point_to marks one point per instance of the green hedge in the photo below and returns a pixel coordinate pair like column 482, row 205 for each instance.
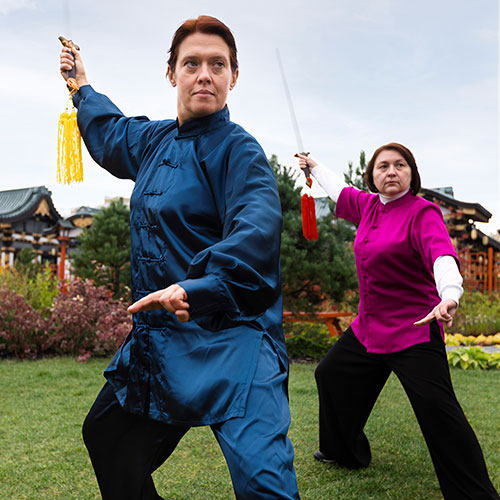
column 311, row 342
column 307, row 341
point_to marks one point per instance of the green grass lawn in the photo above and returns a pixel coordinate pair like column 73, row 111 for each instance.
column 42, row 456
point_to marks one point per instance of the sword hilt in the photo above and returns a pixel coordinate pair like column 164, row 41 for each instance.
column 307, row 170
column 72, row 46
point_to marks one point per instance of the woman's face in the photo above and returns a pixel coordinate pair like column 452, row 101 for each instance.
column 391, row 173
column 202, row 75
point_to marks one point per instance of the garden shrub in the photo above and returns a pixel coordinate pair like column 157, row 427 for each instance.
column 494, row 361
column 468, row 357
column 457, row 339
column 478, row 313
column 473, row 358
column 23, row 331
column 112, row 329
column 86, row 320
column 36, row 283
column 307, row 340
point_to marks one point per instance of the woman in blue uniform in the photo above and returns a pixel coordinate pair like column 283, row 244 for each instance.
column 207, row 345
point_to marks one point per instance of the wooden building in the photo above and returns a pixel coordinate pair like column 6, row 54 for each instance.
column 25, row 214
column 66, row 231
column 28, row 218
column 479, row 253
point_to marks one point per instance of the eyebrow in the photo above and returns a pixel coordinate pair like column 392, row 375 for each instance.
column 210, row 57
column 385, row 162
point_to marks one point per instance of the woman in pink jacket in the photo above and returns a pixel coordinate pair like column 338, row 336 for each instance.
column 409, row 285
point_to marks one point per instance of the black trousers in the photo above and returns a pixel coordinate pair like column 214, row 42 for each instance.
column 349, row 381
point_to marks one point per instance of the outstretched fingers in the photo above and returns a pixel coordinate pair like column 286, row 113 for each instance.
column 426, row 320
column 147, row 303
column 443, row 312
column 174, row 299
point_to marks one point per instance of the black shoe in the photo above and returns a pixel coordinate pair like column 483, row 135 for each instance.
column 323, row 458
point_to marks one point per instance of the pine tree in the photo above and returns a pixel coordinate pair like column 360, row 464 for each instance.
column 312, row 271
column 355, row 177
column 104, row 250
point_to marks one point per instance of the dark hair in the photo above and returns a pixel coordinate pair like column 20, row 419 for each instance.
column 203, row 24
column 406, row 154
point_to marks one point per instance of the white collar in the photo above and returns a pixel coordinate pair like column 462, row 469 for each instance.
column 388, row 199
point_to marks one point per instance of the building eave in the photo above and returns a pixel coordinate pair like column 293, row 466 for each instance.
column 474, row 211
column 20, row 204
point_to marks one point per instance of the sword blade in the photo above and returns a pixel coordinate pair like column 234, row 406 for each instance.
column 295, row 125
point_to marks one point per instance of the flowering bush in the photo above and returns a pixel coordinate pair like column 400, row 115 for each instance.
column 112, row 329
column 86, row 320
column 478, row 313
column 23, row 332
column 36, row 321
column 459, row 339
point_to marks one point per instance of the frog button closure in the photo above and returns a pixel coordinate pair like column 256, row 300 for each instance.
column 168, row 162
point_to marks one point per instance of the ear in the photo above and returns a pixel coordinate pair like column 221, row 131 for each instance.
column 171, row 77
column 234, row 78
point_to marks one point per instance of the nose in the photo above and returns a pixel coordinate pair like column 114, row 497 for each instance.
column 204, row 74
column 392, row 170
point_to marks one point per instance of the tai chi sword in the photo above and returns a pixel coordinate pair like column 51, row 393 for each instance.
column 295, row 125
column 309, row 227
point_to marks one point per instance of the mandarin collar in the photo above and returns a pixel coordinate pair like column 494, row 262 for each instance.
column 396, row 203
column 198, row 126
column 390, row 199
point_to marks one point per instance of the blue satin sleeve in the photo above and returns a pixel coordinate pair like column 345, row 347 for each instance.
column 115, row 142
column 237, row 279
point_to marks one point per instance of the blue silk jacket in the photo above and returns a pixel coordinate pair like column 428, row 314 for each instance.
column 205, row 214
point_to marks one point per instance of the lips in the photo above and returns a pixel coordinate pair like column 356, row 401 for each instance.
column 204, row 93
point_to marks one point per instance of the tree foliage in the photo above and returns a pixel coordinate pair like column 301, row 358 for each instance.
column 26, row 262
column 355, row 176
column 104, row 250
column 312, row 271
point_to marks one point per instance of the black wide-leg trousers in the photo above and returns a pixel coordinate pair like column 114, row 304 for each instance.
column 349, row 380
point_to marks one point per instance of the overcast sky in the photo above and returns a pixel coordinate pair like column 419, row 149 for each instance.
column 361, row 73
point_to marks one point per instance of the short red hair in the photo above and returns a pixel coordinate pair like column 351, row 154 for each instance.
column 203, row 24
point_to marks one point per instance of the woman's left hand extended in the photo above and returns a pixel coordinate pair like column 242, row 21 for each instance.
column 443, row 312
column 173, row 299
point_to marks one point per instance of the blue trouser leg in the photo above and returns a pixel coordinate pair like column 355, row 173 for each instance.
column 125, row 449
column 256, row 447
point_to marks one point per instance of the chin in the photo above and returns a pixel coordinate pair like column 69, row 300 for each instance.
column 393, row 192
column 205, row 110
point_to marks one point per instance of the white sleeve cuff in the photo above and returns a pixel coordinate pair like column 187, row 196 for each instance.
column 448, row 278
column 453, row 293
